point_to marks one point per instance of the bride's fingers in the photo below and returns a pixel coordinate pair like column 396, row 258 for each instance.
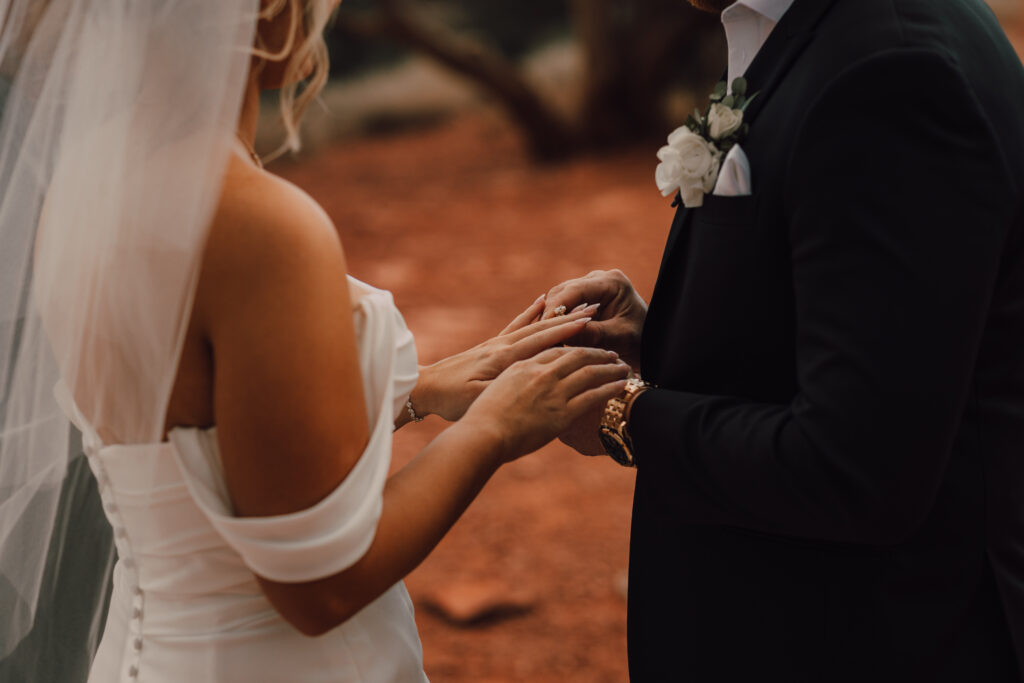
column 592, row 376
column 551, row 355
column 583, row 403
column 531, row 314
column 542, row 325
column 537, row 342
column 579, row 357
column 550, row 313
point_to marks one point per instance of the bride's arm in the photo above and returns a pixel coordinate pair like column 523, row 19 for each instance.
column 287, row 387
column 289, row 403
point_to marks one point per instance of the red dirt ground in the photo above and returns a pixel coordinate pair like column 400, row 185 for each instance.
column 465, row 233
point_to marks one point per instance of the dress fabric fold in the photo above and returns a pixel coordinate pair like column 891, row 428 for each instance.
column 186, row 604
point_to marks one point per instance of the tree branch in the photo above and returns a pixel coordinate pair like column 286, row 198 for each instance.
column 549, row 136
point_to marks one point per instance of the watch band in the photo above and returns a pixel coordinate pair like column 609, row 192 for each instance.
column 634, row 388
column 614, row 430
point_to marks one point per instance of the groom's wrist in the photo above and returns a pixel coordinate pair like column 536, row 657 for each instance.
column 632, row 393
column 631, row 401
column 614, row 428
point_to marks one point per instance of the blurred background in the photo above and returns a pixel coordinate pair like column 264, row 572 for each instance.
column 472, row 155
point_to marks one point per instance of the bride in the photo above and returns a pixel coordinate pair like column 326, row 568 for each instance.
column 236, row 390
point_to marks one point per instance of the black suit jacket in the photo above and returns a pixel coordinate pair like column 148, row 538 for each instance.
column 831, row 474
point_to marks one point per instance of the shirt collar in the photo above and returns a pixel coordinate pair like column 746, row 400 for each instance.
column 770, row 9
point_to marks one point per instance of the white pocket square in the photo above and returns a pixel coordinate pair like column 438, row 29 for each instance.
column 734, row 178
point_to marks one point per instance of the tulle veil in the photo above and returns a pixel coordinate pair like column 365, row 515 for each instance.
column 118, row 118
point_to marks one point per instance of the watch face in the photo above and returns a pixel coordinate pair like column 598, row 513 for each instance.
column 615, row 447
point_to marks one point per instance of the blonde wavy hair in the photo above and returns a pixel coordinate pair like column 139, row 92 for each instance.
column 300, row 88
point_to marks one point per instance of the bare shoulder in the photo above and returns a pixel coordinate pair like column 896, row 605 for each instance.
column 263, row 217
column 266, row 235
column 274, row 311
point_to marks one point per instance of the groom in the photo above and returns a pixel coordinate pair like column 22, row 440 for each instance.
column 830, row 461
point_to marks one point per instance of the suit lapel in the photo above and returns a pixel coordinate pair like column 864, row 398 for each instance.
column 772, row 63
column 679, row 224
column 784, row 45
column 670, row 263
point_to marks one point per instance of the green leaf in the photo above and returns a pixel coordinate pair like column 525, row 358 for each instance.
column 740, row 101
column 729, row 101
column 692, row 124
column 721, row 90
column 749, row 100
column 739, row 86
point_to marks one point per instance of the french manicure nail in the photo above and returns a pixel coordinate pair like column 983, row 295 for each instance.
column 578, row 308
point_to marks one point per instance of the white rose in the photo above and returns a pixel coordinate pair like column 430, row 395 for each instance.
column 724, row 121
column 689, row 164
column 669, row 173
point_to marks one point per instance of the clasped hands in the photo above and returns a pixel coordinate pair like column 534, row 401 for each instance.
column 606, row 313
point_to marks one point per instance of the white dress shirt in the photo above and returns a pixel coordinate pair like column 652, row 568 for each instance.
column 748, row 23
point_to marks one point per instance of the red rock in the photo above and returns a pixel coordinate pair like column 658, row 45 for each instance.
column 474, row 603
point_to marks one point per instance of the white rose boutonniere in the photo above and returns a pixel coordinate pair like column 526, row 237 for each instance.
column 689, row 165
column 692, row 159
column 723, row 121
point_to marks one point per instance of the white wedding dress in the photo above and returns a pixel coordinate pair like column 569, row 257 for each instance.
column 186, row 607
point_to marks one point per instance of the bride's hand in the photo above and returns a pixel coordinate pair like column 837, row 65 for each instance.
column 447, row 388
column 535, row 400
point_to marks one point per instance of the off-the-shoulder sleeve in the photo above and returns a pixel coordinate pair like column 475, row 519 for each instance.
column 335, row 533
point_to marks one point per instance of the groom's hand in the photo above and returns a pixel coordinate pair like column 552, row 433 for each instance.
column 618, row 322
column 582, row 435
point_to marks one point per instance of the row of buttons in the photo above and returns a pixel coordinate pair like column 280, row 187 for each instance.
column 124, row 552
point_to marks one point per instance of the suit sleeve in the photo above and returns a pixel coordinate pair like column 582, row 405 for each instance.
column 899, row 203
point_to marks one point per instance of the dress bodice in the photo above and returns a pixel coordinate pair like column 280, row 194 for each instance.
column 186, row 604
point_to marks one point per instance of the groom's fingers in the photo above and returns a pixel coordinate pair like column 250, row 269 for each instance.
column 571, row 299
column 599, row 286
column 568, row 294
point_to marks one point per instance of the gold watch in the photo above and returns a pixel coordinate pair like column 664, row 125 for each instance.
column 614, row 432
